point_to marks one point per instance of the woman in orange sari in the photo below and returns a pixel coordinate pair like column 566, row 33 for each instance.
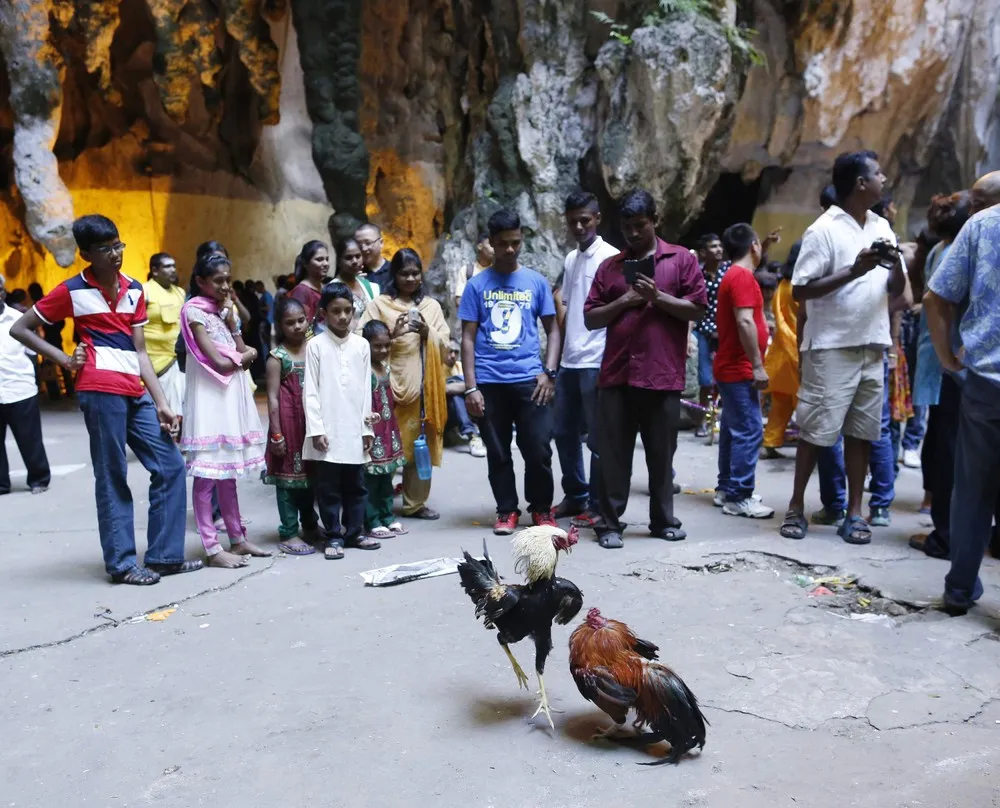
column 782, row 361
column 420, row 338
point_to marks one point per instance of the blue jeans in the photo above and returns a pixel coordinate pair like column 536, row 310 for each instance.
column 576, row 415
column 833, row 478
column 114, row 421
column 882, row 462
column 914, row 433
column 705, row 377
column 458, row 414
column 741, row 434
column 977, row 484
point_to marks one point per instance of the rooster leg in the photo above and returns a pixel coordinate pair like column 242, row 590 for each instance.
column 543, row 704
column 607, row 732
column 522, row 677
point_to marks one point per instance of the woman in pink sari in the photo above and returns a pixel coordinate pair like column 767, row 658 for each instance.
column 221, row 438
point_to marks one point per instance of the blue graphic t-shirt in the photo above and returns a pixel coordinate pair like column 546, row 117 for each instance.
column 507, row 308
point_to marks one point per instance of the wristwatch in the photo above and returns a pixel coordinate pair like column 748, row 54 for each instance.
column 552, row 373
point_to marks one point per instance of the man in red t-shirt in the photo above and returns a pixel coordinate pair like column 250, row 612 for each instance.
column 122, row 403
column 740, row 375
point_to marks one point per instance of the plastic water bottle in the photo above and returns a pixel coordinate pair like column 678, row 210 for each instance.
column 422, row 457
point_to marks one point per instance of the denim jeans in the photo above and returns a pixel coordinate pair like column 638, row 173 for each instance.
column 507, row 406
column 977, row 484
column 575, row 415
column 741, row 434
column 114, row 421
column 882, row 462
column 833, row 478
column 458, row 415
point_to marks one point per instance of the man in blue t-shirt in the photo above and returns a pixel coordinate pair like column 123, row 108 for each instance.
column 506, row 384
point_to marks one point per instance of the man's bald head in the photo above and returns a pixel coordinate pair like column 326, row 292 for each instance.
column 986, row 192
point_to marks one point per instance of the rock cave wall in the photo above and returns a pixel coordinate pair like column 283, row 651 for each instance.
column 264, row 123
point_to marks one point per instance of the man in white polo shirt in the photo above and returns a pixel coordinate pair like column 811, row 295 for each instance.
column 845, row 273
column 19, row 404
column 576, row 385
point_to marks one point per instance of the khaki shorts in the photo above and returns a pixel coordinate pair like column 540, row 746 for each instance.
column 842, row 389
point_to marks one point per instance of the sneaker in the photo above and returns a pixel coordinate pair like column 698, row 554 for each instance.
column 719, row 499
column 911, row 458
column 751, row 507
column 506, row 524
column 476, row 446
column 546, row 519
column 879, row 517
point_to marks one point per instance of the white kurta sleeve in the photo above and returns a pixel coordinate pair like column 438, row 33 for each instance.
column 311, row 399
column 366, row 407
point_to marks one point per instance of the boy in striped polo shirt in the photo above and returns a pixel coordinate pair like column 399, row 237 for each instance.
column 109, row 310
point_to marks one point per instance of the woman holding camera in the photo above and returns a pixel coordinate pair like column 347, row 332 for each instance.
column 420, row 338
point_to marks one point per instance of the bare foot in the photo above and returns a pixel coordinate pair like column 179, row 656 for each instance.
column 227, row 561
column 248, row 548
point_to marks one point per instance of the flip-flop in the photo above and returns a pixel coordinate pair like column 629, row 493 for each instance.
column 334, row 551
column 179, row 568
column 398, row 529
column 296, row 549
column 363, row 543
column 794, row 525
column 380, row 533
column 669, row 534
column 855, row 530
column 610, row 541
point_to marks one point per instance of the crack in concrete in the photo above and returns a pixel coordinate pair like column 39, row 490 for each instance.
column 750, row 714
column 113, row 623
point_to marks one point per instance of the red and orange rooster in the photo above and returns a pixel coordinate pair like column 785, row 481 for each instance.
column 615, row 669
column 517, row 611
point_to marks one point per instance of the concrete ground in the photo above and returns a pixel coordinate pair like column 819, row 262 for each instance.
column 291, row 684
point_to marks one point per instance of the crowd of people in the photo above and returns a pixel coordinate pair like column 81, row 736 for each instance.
column 847, row 346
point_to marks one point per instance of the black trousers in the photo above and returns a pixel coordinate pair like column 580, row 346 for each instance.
column 341, row 498
column 507, row 406
column 622, row 413
column 25, row 422
column 937, row 459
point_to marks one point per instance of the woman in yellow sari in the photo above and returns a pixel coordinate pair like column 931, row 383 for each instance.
column 420, row 338
column 782, row 362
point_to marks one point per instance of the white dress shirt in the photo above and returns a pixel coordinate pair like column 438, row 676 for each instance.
column 338, row 397
column 857, row 314
column 582, row 348
column 17, row 368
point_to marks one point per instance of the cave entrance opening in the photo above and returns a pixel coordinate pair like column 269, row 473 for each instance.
column 730, row 201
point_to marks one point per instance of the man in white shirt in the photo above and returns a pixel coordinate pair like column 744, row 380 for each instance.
column 576, row 386
column 466, row 272
column 847, row 269
column 19, row 404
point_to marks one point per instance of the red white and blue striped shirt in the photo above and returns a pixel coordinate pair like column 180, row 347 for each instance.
column 112, row 364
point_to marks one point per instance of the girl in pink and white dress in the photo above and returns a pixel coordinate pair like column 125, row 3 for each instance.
column 222, row 438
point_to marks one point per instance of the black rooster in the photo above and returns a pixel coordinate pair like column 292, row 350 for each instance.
column 517, row 611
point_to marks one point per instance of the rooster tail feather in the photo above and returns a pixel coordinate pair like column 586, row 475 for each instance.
column 481, row 583
column 670, row 708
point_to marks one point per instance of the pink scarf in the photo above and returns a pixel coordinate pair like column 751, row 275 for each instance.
column 211, row 307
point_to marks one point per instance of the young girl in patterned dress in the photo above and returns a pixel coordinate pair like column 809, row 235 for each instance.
column 387, row 448
column 287, row 426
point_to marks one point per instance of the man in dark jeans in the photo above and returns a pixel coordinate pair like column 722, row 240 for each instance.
column 642, row 371
column 506, row 384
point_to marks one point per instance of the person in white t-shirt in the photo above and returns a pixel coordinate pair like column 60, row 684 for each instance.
column 19, row 404
column 847, row 280
column 576, row 385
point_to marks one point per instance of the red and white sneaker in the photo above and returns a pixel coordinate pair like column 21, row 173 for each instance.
column 547, row 519
column 506, row 524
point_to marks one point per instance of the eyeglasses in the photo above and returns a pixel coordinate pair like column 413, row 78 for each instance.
column 108, row 249
column 364, row 245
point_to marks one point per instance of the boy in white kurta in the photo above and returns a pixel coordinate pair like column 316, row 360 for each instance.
column 338, row 407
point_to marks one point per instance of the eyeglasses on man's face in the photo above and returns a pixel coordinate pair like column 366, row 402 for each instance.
column 110, row 249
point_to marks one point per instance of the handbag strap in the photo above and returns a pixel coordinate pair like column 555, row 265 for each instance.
column 423, row 415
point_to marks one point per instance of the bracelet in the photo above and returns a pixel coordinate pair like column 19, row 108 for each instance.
column 470, row 391
column 279, row 438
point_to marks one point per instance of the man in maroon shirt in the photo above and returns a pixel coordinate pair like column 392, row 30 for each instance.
column 642, row 372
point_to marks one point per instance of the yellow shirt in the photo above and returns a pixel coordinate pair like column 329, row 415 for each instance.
column 163, row 308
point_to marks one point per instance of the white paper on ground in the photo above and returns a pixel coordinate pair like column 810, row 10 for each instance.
column 412, row 571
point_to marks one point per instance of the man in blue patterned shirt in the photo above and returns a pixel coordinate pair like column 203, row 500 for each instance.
column 968, row 285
